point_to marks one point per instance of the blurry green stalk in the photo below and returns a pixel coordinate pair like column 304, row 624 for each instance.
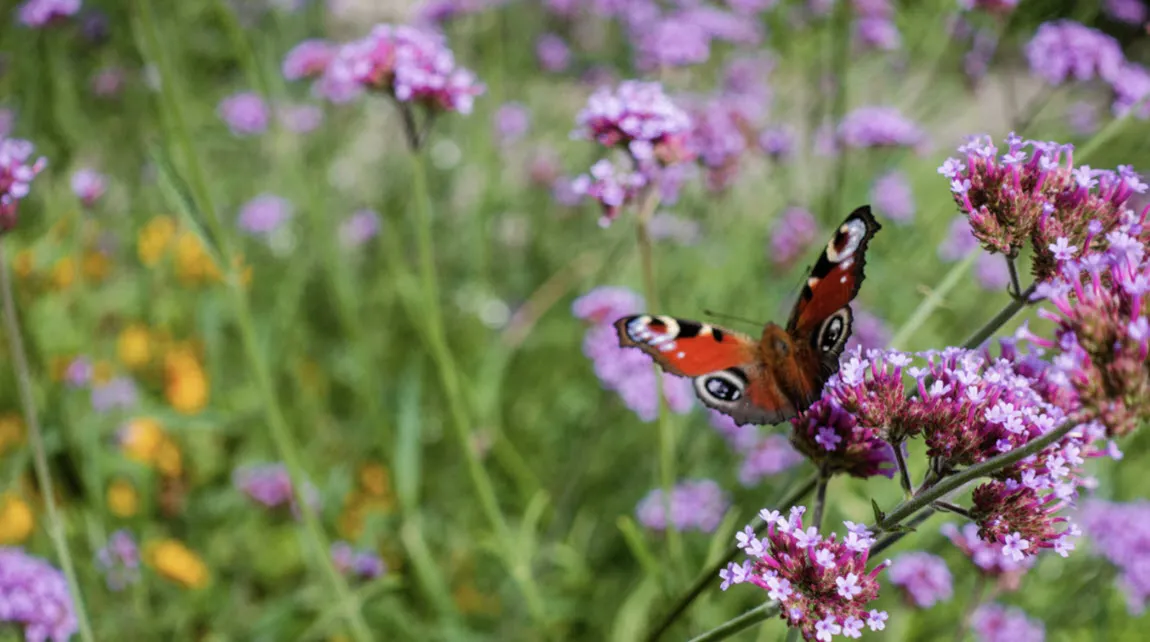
column 204, row 215
column 36, row 439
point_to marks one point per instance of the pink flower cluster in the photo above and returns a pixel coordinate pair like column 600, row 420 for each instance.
column 695, row 505
column 1037, row 197
column 924, row 579
column 407, row 63
column 16, row 174
column 867, row 127
column 270, row 486
column 988, row 557
column 822, row 585
column 763, row 455
column 639, row 117
column 610, row 186
column 628, row 372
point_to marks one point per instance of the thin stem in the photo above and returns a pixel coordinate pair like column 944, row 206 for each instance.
column 820, row 499
column 36, row 439
column 903, row 470
column 745, row 621
column 888, row 540
column 952, row 508
column 707, row 577
column 1006, row 314
column 975, row 601
column 929, row 495
column 931, row 302
column 1015, row 285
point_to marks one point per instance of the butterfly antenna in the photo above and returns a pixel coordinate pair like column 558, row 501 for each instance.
column 731, row 317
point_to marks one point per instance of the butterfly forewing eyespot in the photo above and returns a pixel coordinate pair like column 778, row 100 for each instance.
column 846, row 241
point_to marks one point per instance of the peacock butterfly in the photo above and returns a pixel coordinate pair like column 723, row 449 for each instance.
column 782, row 374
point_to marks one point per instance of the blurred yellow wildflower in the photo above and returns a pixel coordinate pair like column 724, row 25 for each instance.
column 96, row 265
column 193, row 264
column 16, row 519
column 186, row 383
column 11, row 432
column 154, row 239
column 141, row 438
column 471, row 601
column 168, row 459
column 375, row 480
column 123, row 500
column 63, row 273
column 134, row 347
column 102, row 372
column 23, row 263
column 176, row 562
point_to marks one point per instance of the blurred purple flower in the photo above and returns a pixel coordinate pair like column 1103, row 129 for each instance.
column 778, row 142
column 1066, row 50
column 723, row 25
column 412, row 65
column 363, row 564
column 35, row 597
column 299, row 118
column 611, row 187
column 1120, row 533
column 740, row 438
column 695, row 505
column 682, row 231
column 924, row 578
column 791, row 236
column 119, row 560
column 878, row 33
column 564, row 192
column 769, row 455
column 88, row 185
column 991, row 272
column 43, row 13
column 867, row 331
column 16, row 175
column 672, row 42
column 995, row 623
column 108, row 81
column 639, row 117
column 988, row 557
column 959, row 241
column 627, row 371
column 7, row 119
column 79, row 372
column 117, row 393
column 552, row 53
column 543, row 165
column 717, row 140
column 1131, row 89
column 1129, row 11
column 512, row 120
column 879, row 127
column 264, row 214
column 308, row 59
column 990, row 6
column 245, row 113
column 270, row 486
column 359, row 228
column 892, row 195
column 1082, row 117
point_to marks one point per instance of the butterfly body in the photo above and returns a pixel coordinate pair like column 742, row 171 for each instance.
column 772, row 379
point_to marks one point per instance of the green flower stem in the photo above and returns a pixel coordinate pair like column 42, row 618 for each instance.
column 931, row 302
column 707, row 577
column 148, row 31
column 1007, row 313
column 36, row 439
column 820, row 498
column 745, row 621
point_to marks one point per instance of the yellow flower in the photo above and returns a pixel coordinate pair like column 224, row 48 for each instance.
column 16, row 520
column 23, row 264
column 186, row 387
column 193, row 265
column 123, row 500
column 176, row 562
column 154, row 238
column 133, row 346
column 141, row 439
column 471, row 601
column 102, row 372
column 168, row 459
column 96, row 265
column 11, row 431
column 63, row 273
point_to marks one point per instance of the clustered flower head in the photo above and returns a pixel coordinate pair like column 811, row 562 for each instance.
column 1066, row 50
column 612, row 187
column 996, row 623
column 795, row 231
column 720, row 135
column 1034, row 194
column 17, row 169
column 1102, row 333
column 638, row 117
column 867, row 127
column 1120, row 533
column 35, row 596
column 763, row 455
column 409, row 64
column 270, row 486
column 626, row 371
column 988, row 557
column 834, row 439
column 119, row 560
column 245, row 113
column 88, row 185
column 924, row 579
column 362, row 564
column 822, row 585
column 43, row 13
column 695, row 505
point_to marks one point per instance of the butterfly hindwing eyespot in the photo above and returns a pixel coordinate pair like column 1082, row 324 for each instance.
column 834, row 332
column 721, row 388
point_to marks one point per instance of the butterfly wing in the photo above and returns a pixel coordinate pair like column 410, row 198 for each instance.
column 822, row 316
column 728, row 373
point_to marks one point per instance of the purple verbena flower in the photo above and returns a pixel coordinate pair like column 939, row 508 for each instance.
column 877, row 33
column 821, row 584
column 43, row 13
column 769, row 455
column 673, row 41
column 552, row 53
column 79, row 372
column 994, row 623
column 989, row 6
column 88, row 185
column 988, row 557
column 308, row 59
column 16, row 174
column 695, row 505
column 639, row 117
column 270, row 486
column 778, row 142
column 512, row 120
column 879, row 127
column 1131, row 89
column 611, row 187
column 832, row 438
column 893, row 196
column 35, row 597
column 868, row 331
column 1120, row 534
column 1066, row 50
column 1131, row 12
column 924, row 579
column 299, row 118
column 119, row 560
column 264, row 214
column 359, row 228
column 718, row 140
column 245, row 113
column 362, row 564
column 959, row 242
column 117, row 393
column 991, row 272
column 1082, row 117
column 792, row 235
